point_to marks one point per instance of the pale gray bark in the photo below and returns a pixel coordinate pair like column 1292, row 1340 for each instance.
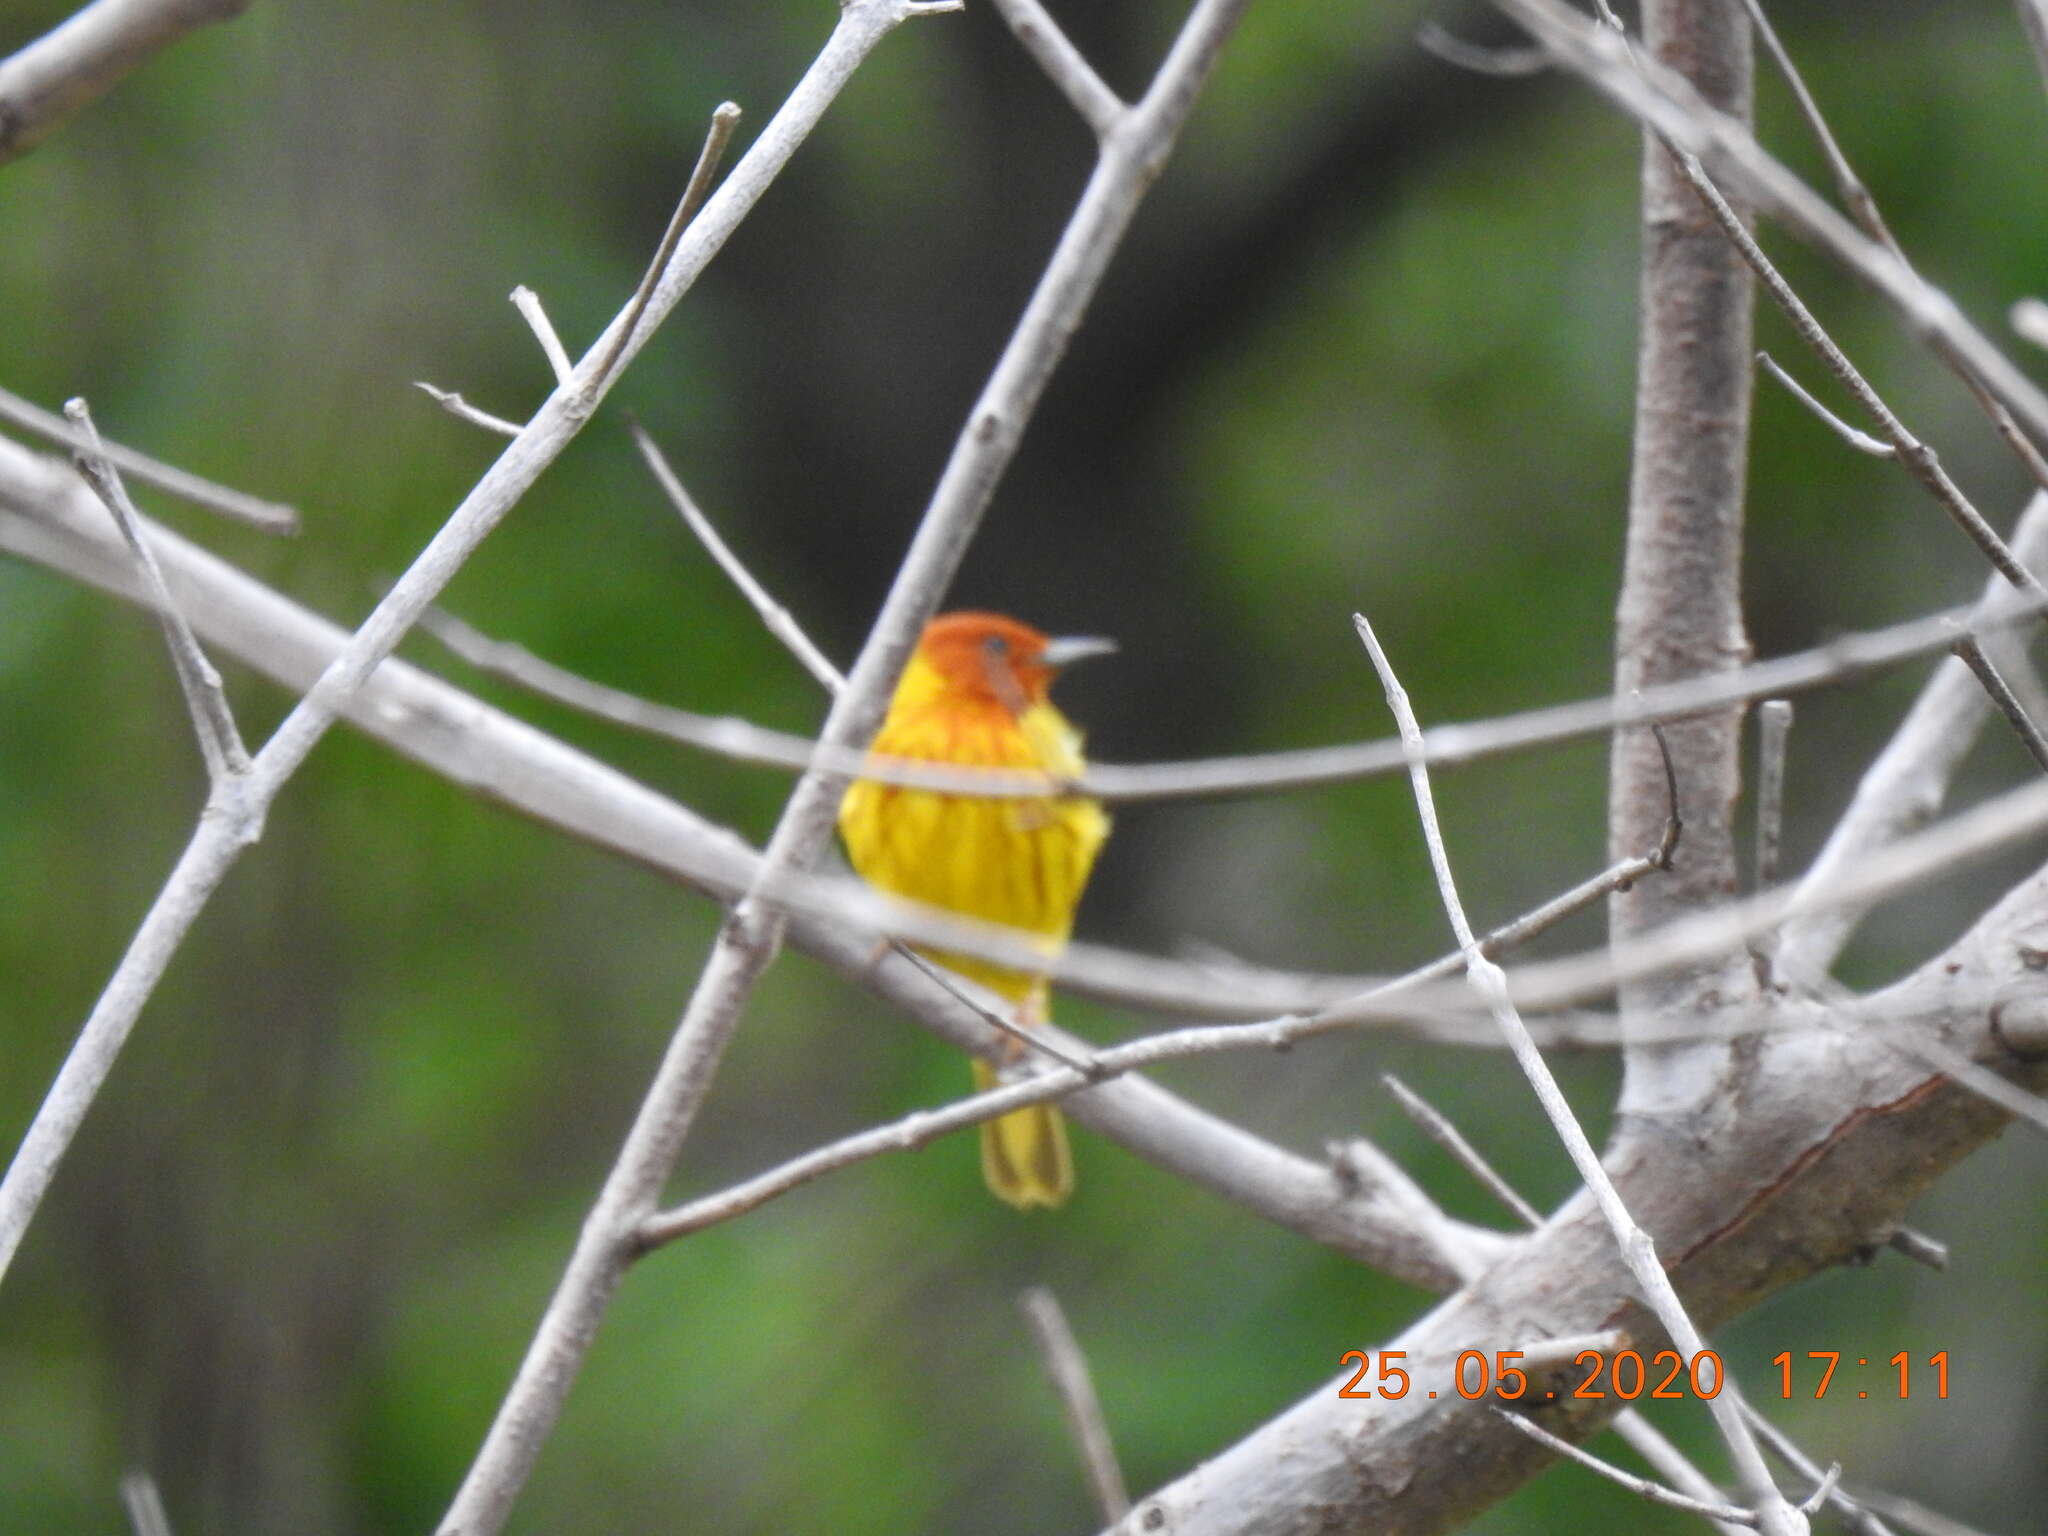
column 1680, row 613
column 1842, row 1137
column 78, row 62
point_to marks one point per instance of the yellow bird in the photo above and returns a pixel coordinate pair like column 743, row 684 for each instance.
column 975, row 696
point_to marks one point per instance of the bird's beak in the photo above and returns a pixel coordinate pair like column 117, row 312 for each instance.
column 1067, row 649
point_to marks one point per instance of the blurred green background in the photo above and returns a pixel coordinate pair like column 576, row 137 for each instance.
column 1370, row 346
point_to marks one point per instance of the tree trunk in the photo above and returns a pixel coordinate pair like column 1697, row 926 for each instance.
column 1680, row 612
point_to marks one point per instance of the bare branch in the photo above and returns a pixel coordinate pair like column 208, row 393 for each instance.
column 270, row 516
column 724, row 118
column 1639, row 1432
column 220, row 743
column 1843, row 659
column 1656, row 1493
column 1915, row 1517
column 1855, row 196
column 1068, row 1368
column 1971, row 654
column 780, row 622
column 1679, row 612
column 1647, row 1440
column 2029, row 317
column 1773, row 1515
column 1863, row 207
column 1447, row 1136
column 1823, row 1491
column 2024, row 1107
column 1099, row 106
column 1907, row 783
column 1664, row 1457
column 1920, row 1248
column 1730, row 152
column 1827, row 1484
column 1983, row 829
column 456, row 406
column 83, row 58
column 528, row 303
column 1503, row 63
column 144, row 1502
column 1862, row 442
column 1914, row 456
column 1033, row 1039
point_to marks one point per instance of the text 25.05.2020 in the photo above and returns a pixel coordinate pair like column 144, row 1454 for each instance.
column 1622, row 1373
column 1478, row 1374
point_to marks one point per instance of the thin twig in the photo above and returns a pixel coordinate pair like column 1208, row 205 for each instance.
column 1907, row 783
column 220, row 743
column 1507, row 63
column 1446, row 1135
column 1861, row 441
column 1656, row 1493
column 1847, row 657
column 781, row 623
column 1971, row 654
column 84, row 57
column 1100, row 107
column 1068, row 1368
column 1774, row 1516
column 144, row 1503
column 1664, row 1457
column 1781, row 1445
column 1032, row 1039
column 476, row 416
column 2029, row 1109
column 2029, row 317
column 1669, row 104
column 1854, row 194
column 1914, row 1517
column 1639, row 1432
column 270, row 516
column 1863, row 208
column 1920, row 1248
column 528, row 303
column 1823, row 1491
column 724, row 118
column 725, row 735
column 1644, row 1437
column 1914, row 456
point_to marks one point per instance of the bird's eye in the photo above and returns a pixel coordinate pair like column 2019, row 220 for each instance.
column 996, row 646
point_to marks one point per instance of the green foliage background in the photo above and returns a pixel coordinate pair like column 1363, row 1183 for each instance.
column 1369, row 347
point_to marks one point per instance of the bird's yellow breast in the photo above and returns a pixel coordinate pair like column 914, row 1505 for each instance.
column 1018, row 862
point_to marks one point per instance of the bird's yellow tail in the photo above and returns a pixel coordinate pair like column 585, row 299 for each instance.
column 1024, row 1154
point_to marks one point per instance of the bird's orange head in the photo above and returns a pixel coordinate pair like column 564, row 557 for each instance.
column 986, row 656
